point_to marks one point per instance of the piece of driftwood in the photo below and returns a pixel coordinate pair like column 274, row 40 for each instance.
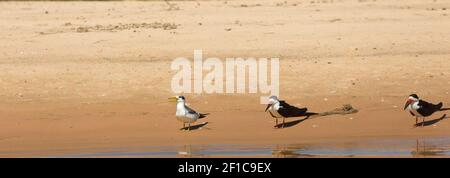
column 346, row 109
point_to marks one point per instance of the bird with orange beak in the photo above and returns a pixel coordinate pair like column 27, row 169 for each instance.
column 421, row 109
column 280, row 109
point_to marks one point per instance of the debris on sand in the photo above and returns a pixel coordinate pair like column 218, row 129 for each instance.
column 335, row 20
column 82, row 29
column 281, row 4
column 250, row 5
column 172, row 6
column 346, row 109
column 120, row 26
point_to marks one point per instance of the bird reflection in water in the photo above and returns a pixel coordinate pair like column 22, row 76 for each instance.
column 424, row 149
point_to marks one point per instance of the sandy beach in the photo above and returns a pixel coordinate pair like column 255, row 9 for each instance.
column 96, row 75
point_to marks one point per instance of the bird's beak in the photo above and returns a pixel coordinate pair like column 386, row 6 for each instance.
column 408, row 103
column 173, row 99
column 268, row 106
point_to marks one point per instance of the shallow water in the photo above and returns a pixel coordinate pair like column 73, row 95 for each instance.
column 410, row 147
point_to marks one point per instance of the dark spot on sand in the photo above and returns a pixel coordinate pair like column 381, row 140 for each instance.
column 335, row 20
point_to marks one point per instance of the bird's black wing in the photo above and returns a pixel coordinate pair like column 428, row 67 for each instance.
column 287, row 110
column 203, row 115
column 427, row 109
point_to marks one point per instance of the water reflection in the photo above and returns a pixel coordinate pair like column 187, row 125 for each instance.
column 289, row 151
column 430, row 149
column 189, row 151
column 424, row 147
column 417, row 148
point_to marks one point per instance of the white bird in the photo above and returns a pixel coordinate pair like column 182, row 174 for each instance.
column 185, row 114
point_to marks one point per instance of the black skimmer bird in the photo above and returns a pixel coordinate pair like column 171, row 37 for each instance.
column 280, row 109
column 185, row 114
column 421, row 109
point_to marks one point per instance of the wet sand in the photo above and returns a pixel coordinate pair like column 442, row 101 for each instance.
column 96, row 75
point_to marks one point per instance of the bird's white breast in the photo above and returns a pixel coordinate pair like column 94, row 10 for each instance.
column 274, row 110
column 183, row 115
column 413, row 108
column 181, row 110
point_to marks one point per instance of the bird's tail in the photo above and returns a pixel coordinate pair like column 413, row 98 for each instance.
column 203, row 115
column 439, row 106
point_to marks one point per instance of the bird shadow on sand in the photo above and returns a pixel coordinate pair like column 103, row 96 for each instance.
column 431, row 122
column 295, row 122
column 195, row 127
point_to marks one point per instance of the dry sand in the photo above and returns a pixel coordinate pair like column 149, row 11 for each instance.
column 79, row 75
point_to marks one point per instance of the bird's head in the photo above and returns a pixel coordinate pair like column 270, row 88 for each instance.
column 272, row 101
column 411, row 99
column 177, row 99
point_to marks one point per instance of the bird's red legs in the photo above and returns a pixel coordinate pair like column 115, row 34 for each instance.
column 276, row 122
column 189, row 126
column 282, row 126
column 423, row 121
